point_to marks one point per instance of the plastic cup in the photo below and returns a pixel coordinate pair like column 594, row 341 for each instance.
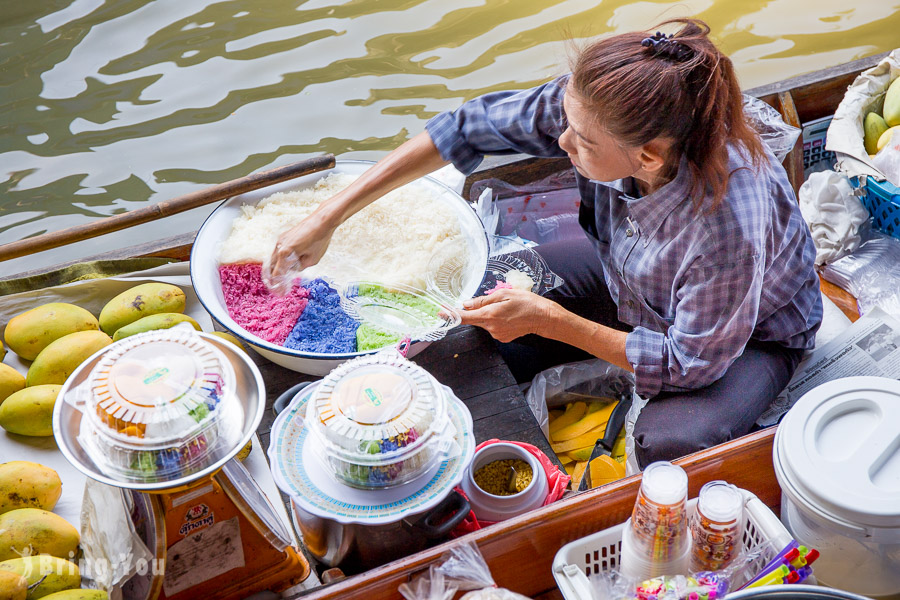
column 659, row 520
column 716, row 526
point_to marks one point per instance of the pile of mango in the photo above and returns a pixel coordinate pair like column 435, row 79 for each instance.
column 58, row 337
column 879, row 129
column 573, row 432
column 34, row 542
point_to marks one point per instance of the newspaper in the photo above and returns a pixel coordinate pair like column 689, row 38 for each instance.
column 870, row 346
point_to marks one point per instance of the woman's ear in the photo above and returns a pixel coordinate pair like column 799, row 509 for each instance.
column 652, row 155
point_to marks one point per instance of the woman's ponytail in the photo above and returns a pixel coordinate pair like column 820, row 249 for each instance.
column 679, row 86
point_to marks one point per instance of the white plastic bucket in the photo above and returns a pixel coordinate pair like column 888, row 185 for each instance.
column 837, row 459
column 490, row 507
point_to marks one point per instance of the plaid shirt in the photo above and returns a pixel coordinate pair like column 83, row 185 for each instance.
column 695, row 287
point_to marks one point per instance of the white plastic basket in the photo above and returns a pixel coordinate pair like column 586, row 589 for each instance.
column 599, row 552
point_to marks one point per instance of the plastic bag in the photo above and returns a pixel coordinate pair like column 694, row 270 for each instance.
column 778, row 136
column 888, row 160
column 871, row 274
column 542, row 211
column 463, row 568
column 632, row 466
column 583, row 380
column 834, row 214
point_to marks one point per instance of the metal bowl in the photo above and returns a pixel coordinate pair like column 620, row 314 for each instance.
column 794, row 592
column 217, row 227
column 251, row 394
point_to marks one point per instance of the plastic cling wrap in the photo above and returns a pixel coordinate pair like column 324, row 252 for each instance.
column 463, row 568
column 871, row 273
column 778, row 136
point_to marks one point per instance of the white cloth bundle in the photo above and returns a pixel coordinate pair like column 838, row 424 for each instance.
column 833, row 214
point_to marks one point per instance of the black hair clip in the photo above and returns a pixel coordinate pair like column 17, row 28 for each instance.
column 667, row 47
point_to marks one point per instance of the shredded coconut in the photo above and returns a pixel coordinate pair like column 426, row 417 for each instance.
column 391, row 240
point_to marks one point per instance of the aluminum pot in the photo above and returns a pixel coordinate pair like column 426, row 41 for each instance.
column 356, row 547
column 794, row 592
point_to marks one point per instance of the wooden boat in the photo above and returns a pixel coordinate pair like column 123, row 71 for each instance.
column 521, row 550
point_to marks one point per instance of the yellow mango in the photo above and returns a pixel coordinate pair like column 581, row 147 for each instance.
column 60, row 359
column 2, row 350
column 48, row 574
column 29, row 531
column 245, row 451
column 580, row 454
column 565, row 459
column 139, row 302
column 873, row 127
column 570, row 468
column 13, row 586
column 153, row 322
column 578, row 474
column 588, row 423
column 891, row 112
column 31, row 331
column 78, row 595
column 30, row 411
column 605, row 470
column 582, row 441
column 886, row 137
column 574, row 411
column 25, row 484
column 10, row 381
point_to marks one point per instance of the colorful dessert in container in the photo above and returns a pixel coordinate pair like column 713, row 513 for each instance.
column 380, row 421
column 391, row 241
column 157, row 405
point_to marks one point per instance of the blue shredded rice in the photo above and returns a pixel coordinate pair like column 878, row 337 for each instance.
column 323, row 326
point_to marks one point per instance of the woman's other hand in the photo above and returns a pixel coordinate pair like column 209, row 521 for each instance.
column 508, row 314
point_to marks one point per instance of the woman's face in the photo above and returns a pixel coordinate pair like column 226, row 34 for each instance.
column 595, row 153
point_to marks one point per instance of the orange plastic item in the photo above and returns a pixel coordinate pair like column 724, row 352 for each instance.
column 216, row 548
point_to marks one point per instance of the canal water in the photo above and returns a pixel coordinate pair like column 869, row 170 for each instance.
column 108, row 105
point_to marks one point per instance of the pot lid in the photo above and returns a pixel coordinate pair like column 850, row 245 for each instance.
column 299, row 471
column 839, row 447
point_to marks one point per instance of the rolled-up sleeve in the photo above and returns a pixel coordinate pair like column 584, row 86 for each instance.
column 716, row 314
column 526, row 122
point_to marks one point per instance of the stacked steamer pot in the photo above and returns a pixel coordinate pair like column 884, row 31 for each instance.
column 370, row 456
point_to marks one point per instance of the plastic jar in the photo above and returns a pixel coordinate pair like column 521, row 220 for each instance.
column 837, row 459
column 492, row 507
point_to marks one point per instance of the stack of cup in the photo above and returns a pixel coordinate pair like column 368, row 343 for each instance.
column 716, row 526
column 655, row 540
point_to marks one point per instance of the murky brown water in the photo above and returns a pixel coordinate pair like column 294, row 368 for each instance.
column 108, row 105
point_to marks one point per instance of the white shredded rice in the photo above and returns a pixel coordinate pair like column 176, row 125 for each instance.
column 391, row 240
column 519, row 279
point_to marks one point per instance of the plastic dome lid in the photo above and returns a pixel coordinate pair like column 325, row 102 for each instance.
column 399, row 309
column 376, row 399
column 158, row 388
column 838, row 449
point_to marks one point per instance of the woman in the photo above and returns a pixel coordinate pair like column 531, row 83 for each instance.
column 697, row 271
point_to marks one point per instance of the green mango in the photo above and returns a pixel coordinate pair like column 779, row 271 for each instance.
column 30, row 411
column 873, row 127
column 48, row 574
column 152, row 322
column 13, row 586
column 31, row 331
column 139, row 302
column 11, row 381
column 29, row 531
column 60, row 359
column 78, row 595
column 891, row 112
column 25, row 484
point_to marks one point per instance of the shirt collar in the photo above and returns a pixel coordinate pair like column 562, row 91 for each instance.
column 651, row 210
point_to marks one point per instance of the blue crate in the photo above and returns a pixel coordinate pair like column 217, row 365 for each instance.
column 882, row 200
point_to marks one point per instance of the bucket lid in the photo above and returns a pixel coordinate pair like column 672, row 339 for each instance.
column 839, row 448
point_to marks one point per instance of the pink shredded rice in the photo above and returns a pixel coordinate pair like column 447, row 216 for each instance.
column 501, row 285
column 255, row 308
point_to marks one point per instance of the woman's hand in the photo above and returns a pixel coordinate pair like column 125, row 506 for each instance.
column 297, row 248
column 508, row 314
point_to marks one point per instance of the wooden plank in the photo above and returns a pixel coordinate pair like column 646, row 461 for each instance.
column 520, row 551
column 842, row 298
column 793, row 162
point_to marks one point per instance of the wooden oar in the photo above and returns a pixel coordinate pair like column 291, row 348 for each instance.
column 214, row 193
